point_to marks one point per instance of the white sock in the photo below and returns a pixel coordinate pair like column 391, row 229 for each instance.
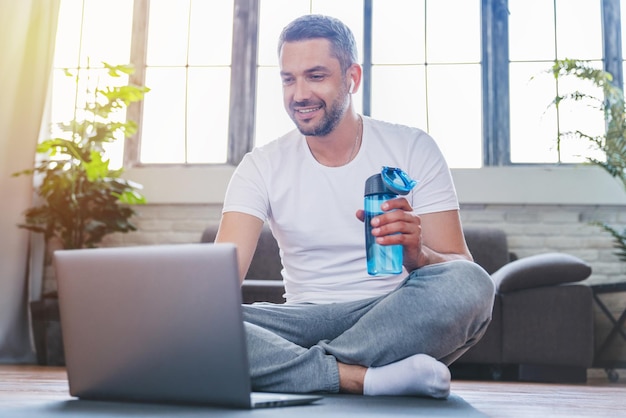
column 418, row 375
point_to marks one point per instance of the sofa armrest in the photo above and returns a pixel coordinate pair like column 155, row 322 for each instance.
column 548, row 269
column 262, row 291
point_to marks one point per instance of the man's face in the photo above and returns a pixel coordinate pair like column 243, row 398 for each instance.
column 315, row 93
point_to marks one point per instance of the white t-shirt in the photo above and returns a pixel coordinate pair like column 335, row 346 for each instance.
column 311, row 208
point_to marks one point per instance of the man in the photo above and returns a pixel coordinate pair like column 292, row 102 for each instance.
column 341, row 329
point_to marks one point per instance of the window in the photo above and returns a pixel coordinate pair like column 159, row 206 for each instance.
column 84, row 40
column 188, row 58
column 424, row 74
column 470, row 72
column 539, row 32
column 184, row 56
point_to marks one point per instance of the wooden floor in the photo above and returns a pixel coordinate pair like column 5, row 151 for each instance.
column 24, row 385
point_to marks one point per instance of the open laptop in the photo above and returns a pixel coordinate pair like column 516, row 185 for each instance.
column 157, row 323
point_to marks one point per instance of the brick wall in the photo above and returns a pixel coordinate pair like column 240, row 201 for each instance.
column 167, row 224
column 531, row 229
column 544, row 228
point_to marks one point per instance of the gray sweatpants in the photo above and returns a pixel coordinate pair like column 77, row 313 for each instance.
column 440, row 310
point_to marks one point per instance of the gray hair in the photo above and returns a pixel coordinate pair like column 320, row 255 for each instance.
column 343, row 45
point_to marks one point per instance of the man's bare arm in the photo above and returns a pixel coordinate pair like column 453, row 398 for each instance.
column 442, row 238
column 243, row 230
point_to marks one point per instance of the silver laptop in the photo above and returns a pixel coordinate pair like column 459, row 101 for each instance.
column 157, row 323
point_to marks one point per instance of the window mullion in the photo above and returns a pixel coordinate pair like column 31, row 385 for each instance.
column 366, row 86
column 495, row 76
column 138, row 54
column 243, row 80
column 612, row 40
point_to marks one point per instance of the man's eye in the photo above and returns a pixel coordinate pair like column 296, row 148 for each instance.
column 287, row 81
column 316, row 77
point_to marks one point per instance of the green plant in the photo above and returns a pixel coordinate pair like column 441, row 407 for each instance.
column 82, row 198
column 613, row 142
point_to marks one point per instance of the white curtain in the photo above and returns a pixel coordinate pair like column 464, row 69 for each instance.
column 27, row 33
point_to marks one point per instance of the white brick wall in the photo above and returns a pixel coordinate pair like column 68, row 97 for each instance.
column 167, row 224
column 534, row 229
column 530, row 229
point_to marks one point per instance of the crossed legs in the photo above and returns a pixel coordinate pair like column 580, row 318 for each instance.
column 437, row 313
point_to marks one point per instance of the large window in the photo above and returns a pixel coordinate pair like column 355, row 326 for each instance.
column 188, row 57
column 539, row 32
column 426, row 71
column 88, row 34
column 470, row 72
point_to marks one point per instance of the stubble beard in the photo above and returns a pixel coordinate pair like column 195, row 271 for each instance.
column 330, row 120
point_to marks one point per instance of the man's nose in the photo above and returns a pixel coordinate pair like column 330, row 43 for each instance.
column 302, row 91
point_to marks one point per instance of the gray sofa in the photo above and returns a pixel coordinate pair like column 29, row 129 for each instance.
column 542, row 326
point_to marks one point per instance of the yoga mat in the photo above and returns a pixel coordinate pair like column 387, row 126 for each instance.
column 329, row 407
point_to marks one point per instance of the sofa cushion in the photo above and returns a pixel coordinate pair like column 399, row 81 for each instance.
column 547, row 269
column 488, row 246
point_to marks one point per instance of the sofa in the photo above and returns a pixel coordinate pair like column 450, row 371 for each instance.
column 542, row 325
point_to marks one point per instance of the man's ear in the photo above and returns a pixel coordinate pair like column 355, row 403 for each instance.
column 354, row 73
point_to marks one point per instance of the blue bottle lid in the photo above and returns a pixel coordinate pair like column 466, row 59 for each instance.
column 397, row 180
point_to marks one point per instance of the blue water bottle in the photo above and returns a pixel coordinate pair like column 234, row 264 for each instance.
column 388, row 184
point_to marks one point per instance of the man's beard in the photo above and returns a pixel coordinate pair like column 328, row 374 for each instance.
column 330, row 120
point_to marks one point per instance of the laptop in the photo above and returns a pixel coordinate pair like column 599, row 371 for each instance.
column 157, row 323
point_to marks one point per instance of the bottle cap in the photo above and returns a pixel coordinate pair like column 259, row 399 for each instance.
column 397, row 180
column 390, row 181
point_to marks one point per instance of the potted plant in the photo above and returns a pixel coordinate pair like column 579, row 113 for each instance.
column 612, row 143
column 81, row 199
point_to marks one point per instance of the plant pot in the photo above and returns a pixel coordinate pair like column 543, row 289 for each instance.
column 47, row 332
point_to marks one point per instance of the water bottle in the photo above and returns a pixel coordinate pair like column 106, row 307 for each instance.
column 388, row 184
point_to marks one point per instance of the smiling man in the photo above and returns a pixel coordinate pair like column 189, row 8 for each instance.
column 342, row 330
